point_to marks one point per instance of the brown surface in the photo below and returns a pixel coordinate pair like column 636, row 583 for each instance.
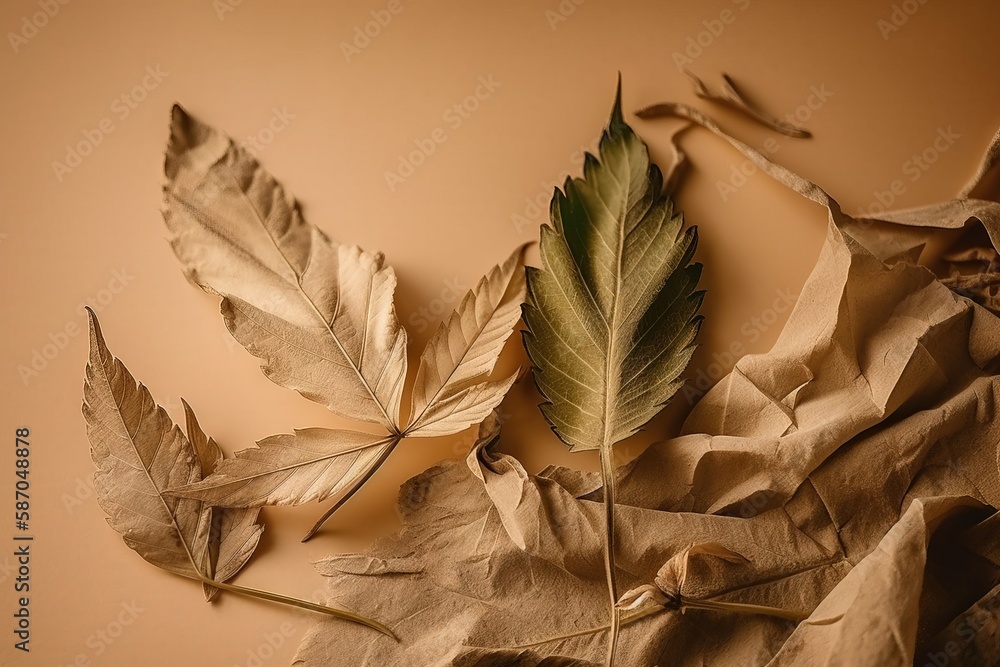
column 452, row 220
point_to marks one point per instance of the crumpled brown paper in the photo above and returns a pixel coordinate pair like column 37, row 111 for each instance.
column 854, row 467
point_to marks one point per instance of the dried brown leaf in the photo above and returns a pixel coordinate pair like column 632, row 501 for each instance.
column 322, row 318
column 290, row 469
column 448, row 395
column 319, row 314
column 233, row 533
column 139, row 453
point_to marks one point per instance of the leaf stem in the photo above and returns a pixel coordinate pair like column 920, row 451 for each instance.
column 630, row 617
column 608, row 476
column 296, row 602
column 745, row 609
column 354, row 489
column 633, row 615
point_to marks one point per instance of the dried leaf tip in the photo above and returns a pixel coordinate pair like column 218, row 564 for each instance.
column 617, row 121
column 177, row 113
column 98, row 347
column 186, row 132
column 95, row 327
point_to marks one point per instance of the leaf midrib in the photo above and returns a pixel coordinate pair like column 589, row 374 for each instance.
column 324, row 457
column 612, row 381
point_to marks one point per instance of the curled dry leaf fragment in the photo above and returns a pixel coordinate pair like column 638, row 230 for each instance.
column 974, row 272
column 139, row 453
column 732, row 96
column 669, row 592
column 671, row 577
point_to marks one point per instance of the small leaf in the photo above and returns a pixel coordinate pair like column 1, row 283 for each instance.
column 234, row 533
column 447, row 394
column 319, row 314
column 287, row 469
column 139, row 453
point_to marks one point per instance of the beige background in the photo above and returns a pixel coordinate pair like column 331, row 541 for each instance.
column 61, row 241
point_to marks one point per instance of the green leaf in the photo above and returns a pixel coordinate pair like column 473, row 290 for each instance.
column 611, row 319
